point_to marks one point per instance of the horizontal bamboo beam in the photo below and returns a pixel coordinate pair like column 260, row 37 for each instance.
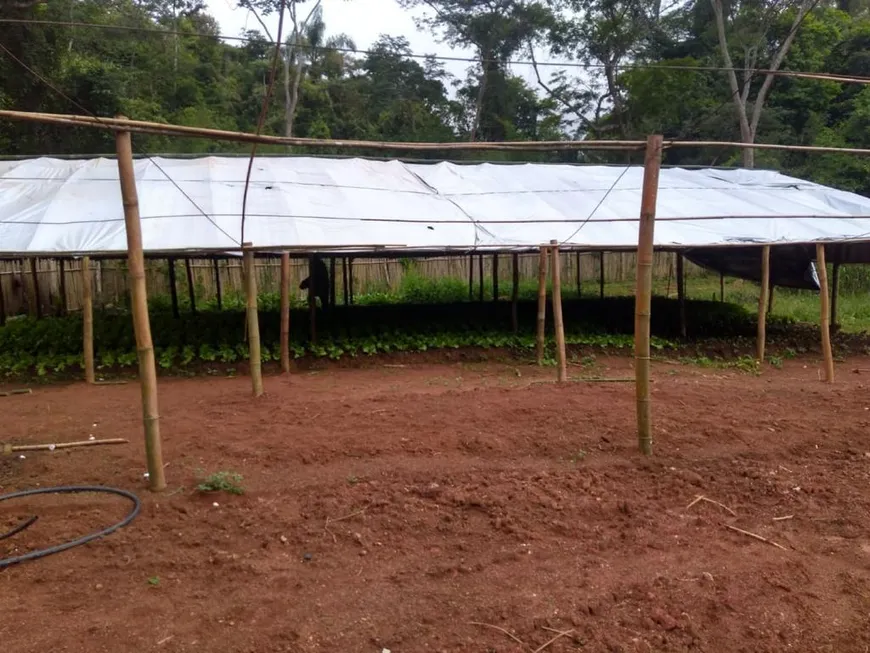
column 8, row 448
column 164, row 129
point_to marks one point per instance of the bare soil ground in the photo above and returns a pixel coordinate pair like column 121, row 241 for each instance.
column 457, row 507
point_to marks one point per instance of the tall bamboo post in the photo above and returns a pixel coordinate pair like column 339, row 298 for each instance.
column 217, row 284
column 495, row 277
column 312, row 301
column 561, row 354
column 37, row 304
column 643, row 296
column 88, row 320
column 173, row 287
column 681, row 294
column 285, row 312
column 350, row 278
column 579, row 277
column 191, row 291
column 471, row 278
column 762, row 303
column 141, row 325
column 601, row 275
column 255, row 360
column 332, row 282
column 480, row 278
column 542, row 306
column 827, row 352
column 344, row 279
column 515, row 292
column 835, row 293
column 61, row 271
column 2, row 304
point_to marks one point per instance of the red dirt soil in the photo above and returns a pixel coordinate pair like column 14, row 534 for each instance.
column 459, row 507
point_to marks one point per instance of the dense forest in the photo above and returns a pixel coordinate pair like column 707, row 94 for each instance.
column 639, row 66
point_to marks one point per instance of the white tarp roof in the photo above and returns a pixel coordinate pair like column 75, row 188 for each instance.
column 73, row 207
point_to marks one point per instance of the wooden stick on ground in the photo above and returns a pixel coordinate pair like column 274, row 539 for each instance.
column 755, row 536
column 561, row 354
column 139, row 302
column 701, row 497
column 501, row 630
column 15, row 448
column 542, row 306
column 9, row 393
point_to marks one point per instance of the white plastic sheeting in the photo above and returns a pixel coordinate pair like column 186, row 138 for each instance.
column 74, row 207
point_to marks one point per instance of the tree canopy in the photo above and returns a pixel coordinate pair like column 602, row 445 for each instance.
column 641, row 66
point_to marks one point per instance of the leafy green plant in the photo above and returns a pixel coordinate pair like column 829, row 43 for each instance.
column 222, row 482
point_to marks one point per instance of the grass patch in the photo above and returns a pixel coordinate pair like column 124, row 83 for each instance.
column 229, row 482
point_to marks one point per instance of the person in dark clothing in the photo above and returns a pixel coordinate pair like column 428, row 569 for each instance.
column 320, row 287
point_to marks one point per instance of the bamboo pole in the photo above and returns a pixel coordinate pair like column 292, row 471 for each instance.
column 88, row 320
column 681, row 294
column 542, row 306
column 579, row 277
column 344, row 278
column 173, row 287
column 332, row 282
column 37, row 304
column 61, row 272
column 601, row 275
column 480, row 278
column 471, row 278
column 285, row 312
column 495, row 277
column 762, row 303
column 643, row 295
column 312, row 301
column 835, row 293
column 827, row 352
column 350, row 278
column 515, row 292
column 255, row 359
column 16, row 448
column 561, row 354
column 2, row 304
column 141, row 325
column 191, row 291
column 217, row 285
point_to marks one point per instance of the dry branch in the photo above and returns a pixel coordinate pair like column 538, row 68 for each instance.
column 9, row 393
column 755, row 536
column 8, row 448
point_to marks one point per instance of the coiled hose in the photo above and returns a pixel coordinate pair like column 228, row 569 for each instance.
column 66, row 489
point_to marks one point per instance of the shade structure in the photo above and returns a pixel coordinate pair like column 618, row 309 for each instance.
column 72, row 207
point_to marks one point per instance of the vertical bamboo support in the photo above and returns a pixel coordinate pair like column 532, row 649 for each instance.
column 88, row 320
column 561, row 354
column 217, row 285
column 312, row 300
column 344, row 279
column 827, row 352
column 471, row 278
column 350, row 278
column 681, row 293
column 601, row 275
column 542, row 306
column 173, row 288
column 191, row 290
column 2, row 304
column 37, row 304
column 255, row 360
column 139, row 304
column 61, row 271
column 579, row 277
column 762, row 303
column 835, row 293
column 643, row 295
column 495, row 277
column 332, row 282
column 480, row 278
column 285, row 312
column 515, row 292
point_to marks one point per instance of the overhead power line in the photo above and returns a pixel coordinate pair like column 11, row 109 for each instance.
column 453, row 58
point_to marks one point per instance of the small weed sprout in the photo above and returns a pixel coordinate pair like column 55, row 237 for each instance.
column 222, row 482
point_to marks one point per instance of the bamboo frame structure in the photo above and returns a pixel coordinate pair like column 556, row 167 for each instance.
column 643, row 295
column 217, row 285
column 173, row 287
column 542, row 306
column 681, row 294
column 579, row 278
column 763, row 299
column 2, row 306
column 37, row 304
column 515, row 292
column 285, row 312
column 312, row 301
column 495, row 277
column 88, row 321
column 253, row 321
column 139, row 304
column 480, row 278
column 350, row 278
column 332, row 282
column 61, row 273
column 561, row 354
column 191, row 291
column 827, row 351
column 601, row 275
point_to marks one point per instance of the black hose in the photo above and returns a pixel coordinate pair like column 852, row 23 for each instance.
column 25, row 524
column 70, row 489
